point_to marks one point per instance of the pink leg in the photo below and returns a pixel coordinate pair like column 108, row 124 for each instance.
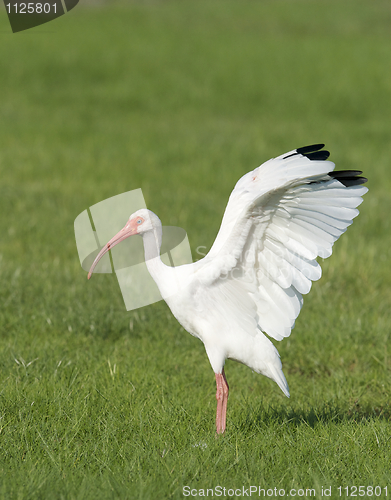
column 222, row 399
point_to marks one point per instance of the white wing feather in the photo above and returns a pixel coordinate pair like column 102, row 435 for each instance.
column 278, row 220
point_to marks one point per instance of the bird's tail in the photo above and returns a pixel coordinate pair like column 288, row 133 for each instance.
column 279, row 377
column 266, row 360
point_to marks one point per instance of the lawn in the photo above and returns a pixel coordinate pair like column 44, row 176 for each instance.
column 181, row 98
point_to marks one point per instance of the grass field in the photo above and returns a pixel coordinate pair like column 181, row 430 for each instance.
column 181, row 98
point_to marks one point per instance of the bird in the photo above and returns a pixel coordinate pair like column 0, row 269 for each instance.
column 248, row 289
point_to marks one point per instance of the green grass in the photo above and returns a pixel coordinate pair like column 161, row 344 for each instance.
column 181, row 98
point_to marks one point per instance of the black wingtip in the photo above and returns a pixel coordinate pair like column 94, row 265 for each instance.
column 309, row 149
column 345, row 173
column 311, row 152
column 318, row 155
column 348, row 177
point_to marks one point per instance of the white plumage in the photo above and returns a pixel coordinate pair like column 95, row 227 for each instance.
column 279, row 219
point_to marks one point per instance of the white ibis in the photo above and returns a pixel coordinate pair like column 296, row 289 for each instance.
column 280, row 217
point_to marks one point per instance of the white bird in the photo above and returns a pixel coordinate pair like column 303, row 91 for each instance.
column 280, row 217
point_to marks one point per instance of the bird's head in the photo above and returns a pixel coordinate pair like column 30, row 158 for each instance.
column 139, row 223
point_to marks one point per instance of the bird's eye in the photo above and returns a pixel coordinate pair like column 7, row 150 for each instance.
column 139, row 221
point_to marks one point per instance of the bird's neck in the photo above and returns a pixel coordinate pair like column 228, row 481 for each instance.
column 164, row 276
column 152, row 243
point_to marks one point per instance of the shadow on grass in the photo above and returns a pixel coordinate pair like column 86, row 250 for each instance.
column 314, row 416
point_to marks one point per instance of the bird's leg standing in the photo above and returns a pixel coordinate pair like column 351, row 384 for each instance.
column 222, row 399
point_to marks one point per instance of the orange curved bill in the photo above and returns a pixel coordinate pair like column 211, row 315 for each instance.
column 129, row 230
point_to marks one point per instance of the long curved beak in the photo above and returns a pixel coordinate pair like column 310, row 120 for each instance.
column 129, row 230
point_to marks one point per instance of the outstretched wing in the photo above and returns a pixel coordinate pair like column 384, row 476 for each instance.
column 279, row 219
